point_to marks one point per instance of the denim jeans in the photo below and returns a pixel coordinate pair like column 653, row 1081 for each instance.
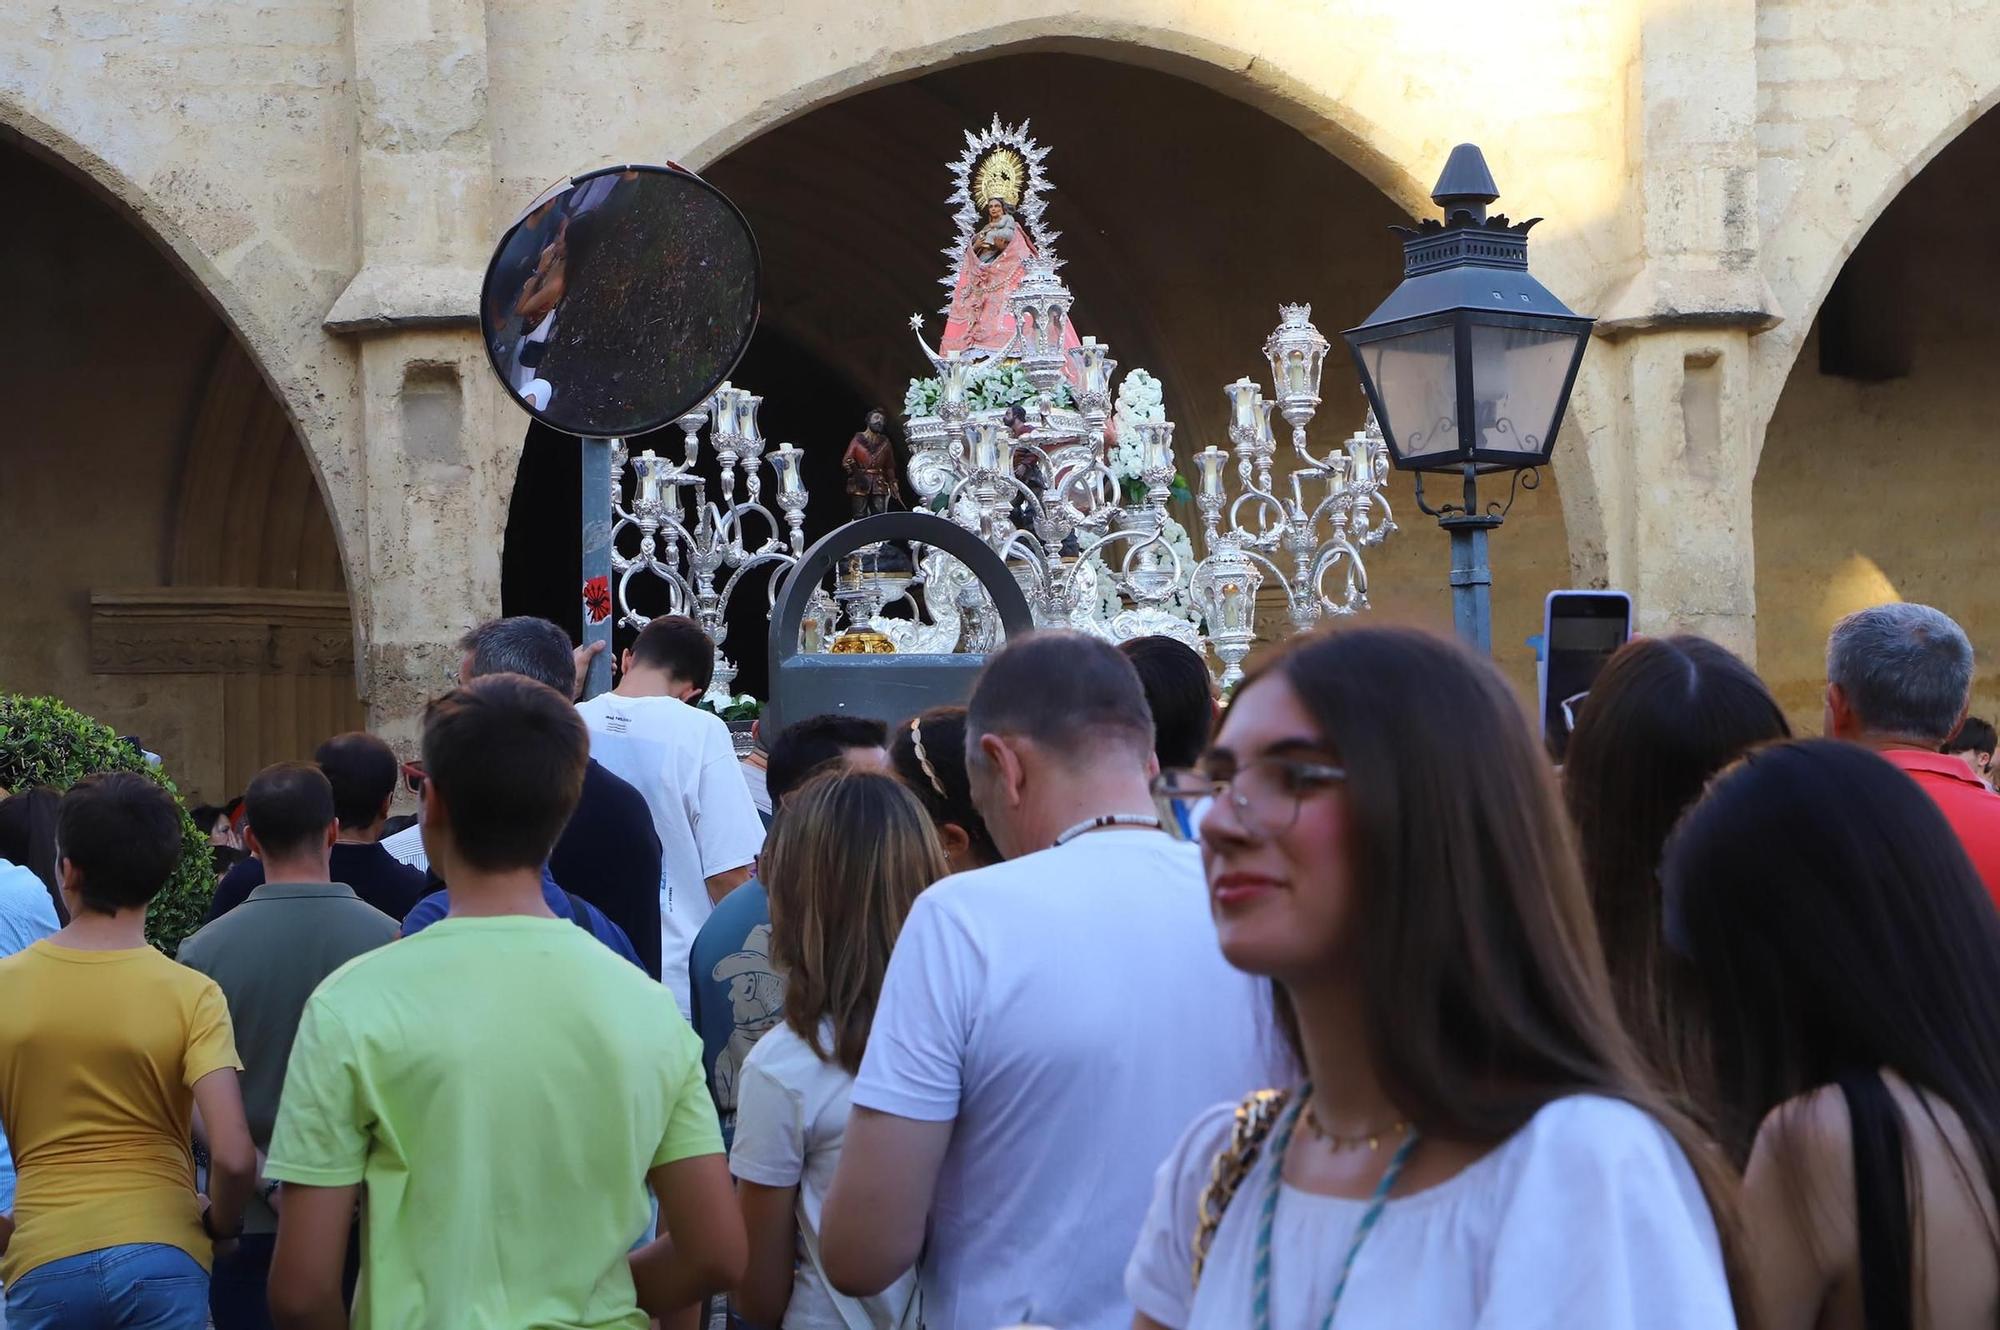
column 139, row 1286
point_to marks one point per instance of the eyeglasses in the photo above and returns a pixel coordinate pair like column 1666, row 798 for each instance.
column 1265, row 795
column 1569, row 705
column 414, row 777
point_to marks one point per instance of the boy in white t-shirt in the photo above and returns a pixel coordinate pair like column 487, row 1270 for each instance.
column 1047, row 1024
column 647, row 732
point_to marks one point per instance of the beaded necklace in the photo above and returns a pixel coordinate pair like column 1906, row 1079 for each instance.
column 1260, row 1288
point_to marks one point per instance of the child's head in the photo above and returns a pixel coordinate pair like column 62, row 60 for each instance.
column 119, row 837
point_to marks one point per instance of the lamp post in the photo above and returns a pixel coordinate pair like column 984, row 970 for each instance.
column 1468, row 365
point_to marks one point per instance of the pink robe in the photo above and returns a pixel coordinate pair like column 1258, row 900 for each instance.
column 979, row 318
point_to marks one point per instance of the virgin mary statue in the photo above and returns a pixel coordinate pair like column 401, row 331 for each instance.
column 993, row 265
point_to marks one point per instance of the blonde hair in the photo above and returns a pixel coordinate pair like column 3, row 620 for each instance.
column 848, row 855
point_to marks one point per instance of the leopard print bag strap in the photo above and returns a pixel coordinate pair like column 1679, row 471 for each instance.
column 1255, row 1117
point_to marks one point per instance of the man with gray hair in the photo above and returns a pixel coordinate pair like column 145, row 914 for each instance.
column 1047, row 1025
column 609, row 854
column 1899, row 680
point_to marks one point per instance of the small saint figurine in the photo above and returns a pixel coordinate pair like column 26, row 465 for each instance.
column 870, row 464
column 1027, row 468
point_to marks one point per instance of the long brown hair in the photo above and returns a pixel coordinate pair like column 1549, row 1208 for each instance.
column 1665, row 715
column 1484, row 988
column 849, row 853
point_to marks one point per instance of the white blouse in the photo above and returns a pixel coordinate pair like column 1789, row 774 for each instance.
column 1589, row 1216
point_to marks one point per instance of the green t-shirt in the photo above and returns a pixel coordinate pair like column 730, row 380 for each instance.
column 499, row 1087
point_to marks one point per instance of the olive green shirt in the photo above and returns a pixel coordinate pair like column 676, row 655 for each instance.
column 268, row 955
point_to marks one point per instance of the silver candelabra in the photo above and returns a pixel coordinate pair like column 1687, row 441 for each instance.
column 1266, row 521
column 702, row 550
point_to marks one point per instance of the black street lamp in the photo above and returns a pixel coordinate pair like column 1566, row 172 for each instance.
column 1468, row 365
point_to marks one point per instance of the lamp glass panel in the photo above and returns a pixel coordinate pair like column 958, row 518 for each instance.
column 1416, row 378
column 1517, row 380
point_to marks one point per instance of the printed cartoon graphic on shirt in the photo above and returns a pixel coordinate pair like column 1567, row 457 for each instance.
column 756, row 1000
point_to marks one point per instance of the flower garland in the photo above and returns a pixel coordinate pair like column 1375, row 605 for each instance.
column 991, row 386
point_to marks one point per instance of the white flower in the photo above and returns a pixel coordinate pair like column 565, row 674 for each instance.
column 1140, row 398
column 921, row 398
column 1096, row 582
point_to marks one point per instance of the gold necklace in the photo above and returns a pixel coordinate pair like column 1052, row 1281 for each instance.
column 1370, row 1140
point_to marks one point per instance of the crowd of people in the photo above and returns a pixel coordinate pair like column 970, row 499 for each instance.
column 1095, row 1002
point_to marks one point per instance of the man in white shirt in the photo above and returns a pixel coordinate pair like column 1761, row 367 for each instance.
column 679, row 757
column 1048, row 1026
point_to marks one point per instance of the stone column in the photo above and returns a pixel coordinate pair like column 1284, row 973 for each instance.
column 438, row 478
column 1687, row 556
column 438, row 442
column 1677, row 330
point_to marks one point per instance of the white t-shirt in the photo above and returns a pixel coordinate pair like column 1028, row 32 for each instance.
column 681, row 759
column 758, row 779
column 791, row 1117
column 1587, row 1216
column 1070, row 1010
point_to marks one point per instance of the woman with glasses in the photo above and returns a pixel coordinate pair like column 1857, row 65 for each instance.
column 1851, row 959
column 1664, row 715
column 1474, row 1142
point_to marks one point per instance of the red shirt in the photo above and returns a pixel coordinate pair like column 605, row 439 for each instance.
column 1971, row 808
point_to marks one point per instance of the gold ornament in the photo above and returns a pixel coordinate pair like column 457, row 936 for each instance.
column 1001, row 174
column 863, row 641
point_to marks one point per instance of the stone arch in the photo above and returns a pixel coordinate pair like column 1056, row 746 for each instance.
column 1224, row 65
column 181, row 570
column 249, row 514
column 269, row 349
column 1378, row 128
column 1400, row 168
column 248, row 511
column 1929, row 81
column 1875, row 474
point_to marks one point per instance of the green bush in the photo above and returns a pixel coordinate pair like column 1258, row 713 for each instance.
column 43, row 742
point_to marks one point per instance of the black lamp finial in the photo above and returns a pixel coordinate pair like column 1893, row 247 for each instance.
column 1466, row 186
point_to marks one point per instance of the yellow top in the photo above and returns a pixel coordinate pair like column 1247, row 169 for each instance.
column 99, row 1053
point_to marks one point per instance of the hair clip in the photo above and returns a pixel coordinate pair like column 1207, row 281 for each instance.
column 923, row 758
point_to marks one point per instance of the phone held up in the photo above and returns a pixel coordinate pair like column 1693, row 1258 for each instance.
column 1580, row 631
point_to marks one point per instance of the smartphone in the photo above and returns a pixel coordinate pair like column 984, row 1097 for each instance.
column 1580, row 631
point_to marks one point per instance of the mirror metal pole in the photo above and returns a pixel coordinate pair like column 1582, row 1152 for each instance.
column 597, row 608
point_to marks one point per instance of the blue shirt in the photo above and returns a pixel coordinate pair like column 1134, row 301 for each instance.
column 27, row 915
column 438, row 904
column 735, row 994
